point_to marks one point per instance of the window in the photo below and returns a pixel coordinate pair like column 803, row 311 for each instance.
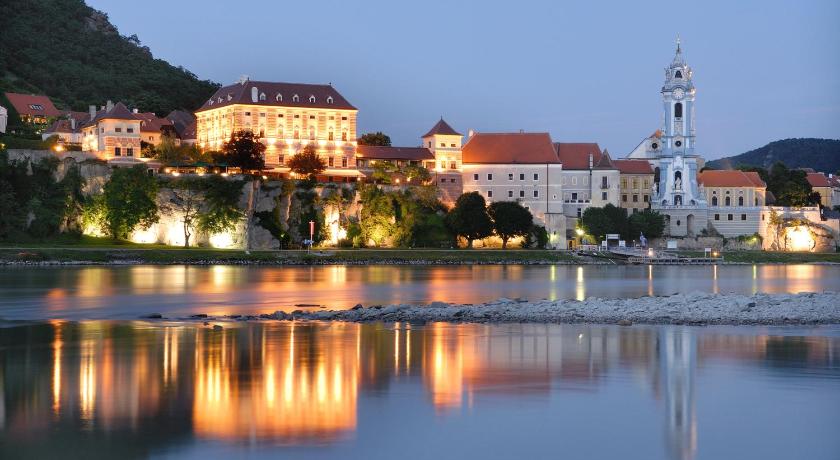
column 536, row 193
column 678, row 110
column 330, row 135
column 743, row 217
column 510, row 176
column 579, row 212
column 717, row 216
column 453, row 165
column 297, row 132
column 344, row 135
column 489, row 177
column 117, row 151
column 312, row 99
column 729, row 217
column 489, row 194
column 635, row 198
column 117, row 130
column 297, row 115
column 574, row 196
column 510, row 193
column 129, row 130
column 623, row 183
column 329, row 100
column 574, row 181
column 344, row 162
column 522, row 194
column 536, row 176
column 344, row 118
column 295, row 98
column 330, row 162
column 262, row 96
column 280, row 159
column 452, row 180
column 678, row 74
column 740, row 201
column 279, row 115
column 475, row 176
column 646, row 198
column 604, row 182
column 129, row 151
column 604, row 196
column 714, row 201
column 247, row 114
column 312, row 117
column 279, row 98
column 442, row 181
column 311, row 133
column 624, row 198
column 728, row 202
column 262, row 114
column 521, row 176
column 442, row 144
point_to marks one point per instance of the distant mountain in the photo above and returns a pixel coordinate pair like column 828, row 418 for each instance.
column 821, row 154
column 73, row 54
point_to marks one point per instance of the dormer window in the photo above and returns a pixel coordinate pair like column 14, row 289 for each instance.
column 329, row 100
column 278, row 97
column 312, row 99
column 220, row 100
column 678, row 74
column 262, row 96
column 229, row 98
column 295, row 98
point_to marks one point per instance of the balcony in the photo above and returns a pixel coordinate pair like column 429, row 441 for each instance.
column 605, row 186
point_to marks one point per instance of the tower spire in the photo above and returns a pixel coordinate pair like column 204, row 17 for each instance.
column 678, row 44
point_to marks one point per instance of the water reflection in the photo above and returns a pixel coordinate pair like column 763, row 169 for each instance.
column 303, row 384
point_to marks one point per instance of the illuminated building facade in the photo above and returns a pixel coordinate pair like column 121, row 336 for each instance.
column 286, row 117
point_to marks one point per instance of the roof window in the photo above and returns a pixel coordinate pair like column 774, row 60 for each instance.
column 295, row 98
column 329, row 100
column 312, row 99
column 278, row 97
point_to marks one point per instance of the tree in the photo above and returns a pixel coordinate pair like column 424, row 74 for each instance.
column 168, row 153
column 648, row 222
column 378, row 138
column 383, row 171
column 307, row 162
column 130, row 200
column 510, row 219
column 598, row 222
column 221, row 210
column 414, row 171
column 186, row 200
column 244, row 151
column 469, row 218
column 377, row 215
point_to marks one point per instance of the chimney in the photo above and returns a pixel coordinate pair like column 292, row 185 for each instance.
column 72, row 124
column 470, row 133
column 255, row 94
column 92, row 110
column 590, row 161
column 243, row 79
column 135, row 111
column 109, row 105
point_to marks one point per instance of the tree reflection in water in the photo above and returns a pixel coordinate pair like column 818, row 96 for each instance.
column 128, row 389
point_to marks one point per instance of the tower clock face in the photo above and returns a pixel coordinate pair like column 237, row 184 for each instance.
column 678, row 93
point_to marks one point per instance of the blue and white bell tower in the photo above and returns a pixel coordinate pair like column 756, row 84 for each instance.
column 675, row 190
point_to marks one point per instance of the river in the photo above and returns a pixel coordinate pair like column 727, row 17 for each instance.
column 129, row 292
column 82, row 377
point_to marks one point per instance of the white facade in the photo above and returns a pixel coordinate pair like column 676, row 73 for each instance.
column 4, row 119
column 535, row 186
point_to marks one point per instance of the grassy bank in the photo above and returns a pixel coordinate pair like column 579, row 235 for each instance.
column 130, row 253
column 765, row 257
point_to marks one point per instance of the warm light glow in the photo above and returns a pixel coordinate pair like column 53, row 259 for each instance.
column 222, row 240
column 146, row 236
column 799, row 239
column 579, row 231
column 59, row 148
column 57, row 345
column 176, row 173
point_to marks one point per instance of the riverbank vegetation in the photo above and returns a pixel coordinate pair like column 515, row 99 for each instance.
column 596, row 223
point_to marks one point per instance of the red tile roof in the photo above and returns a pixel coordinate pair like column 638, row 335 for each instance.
column 33, row 105
column 818, row 180
column 730, row 178
column 442, row 128
column 394, row 153
column 575, row 155
column 633, row 166
column 277, row 95
column 118, row 112
column 509, row 148
column 151, row 123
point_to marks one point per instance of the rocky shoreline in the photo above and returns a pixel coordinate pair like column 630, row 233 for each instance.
column 690, row 309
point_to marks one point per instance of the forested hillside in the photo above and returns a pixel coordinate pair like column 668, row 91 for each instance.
column 821, row 154
column 72, row 53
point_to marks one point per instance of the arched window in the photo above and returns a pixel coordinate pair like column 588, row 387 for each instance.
column 295, row 98
column 678, row 74
column 678, row 110
column 714, row 201
column 728, row 201
column 312, row 99
column 329, row 100
column 262, row 96
column 297, row 132
column 330, row 135
column 278, row 97
column 740, row 201
column 344, row 135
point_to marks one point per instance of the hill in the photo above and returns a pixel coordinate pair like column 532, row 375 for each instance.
column 72, row 53
column 821, row 154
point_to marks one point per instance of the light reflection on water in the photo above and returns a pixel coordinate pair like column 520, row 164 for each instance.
column 132, row 389
column 126, row 292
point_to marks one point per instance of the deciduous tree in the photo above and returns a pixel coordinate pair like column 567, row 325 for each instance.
column 378, row 138
column 130, row 201
column 469, row 218
column 244, row 151
column 307, row 162
column 510, row 219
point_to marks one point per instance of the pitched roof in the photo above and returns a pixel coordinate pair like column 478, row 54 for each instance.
column 151, row 123
column 32, row 104
column 633, row 166
column 118, row 112
column 818, row 180
column 730, row 178
column 181, row 119
column 509, row 148
column 605, row 162
column 575, row 155
column 442, row 128
column 394, row 153
column 277, row 94
column 64, row 124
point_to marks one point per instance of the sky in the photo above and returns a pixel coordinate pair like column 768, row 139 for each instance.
column 584, row 71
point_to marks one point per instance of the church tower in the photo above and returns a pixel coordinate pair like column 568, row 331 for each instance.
column 678, row 107
column 671, row 152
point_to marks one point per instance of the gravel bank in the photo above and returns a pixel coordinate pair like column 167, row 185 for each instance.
column 696, row 308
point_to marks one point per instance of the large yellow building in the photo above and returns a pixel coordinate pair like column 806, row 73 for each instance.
column 286, row 117
column 636, row 183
